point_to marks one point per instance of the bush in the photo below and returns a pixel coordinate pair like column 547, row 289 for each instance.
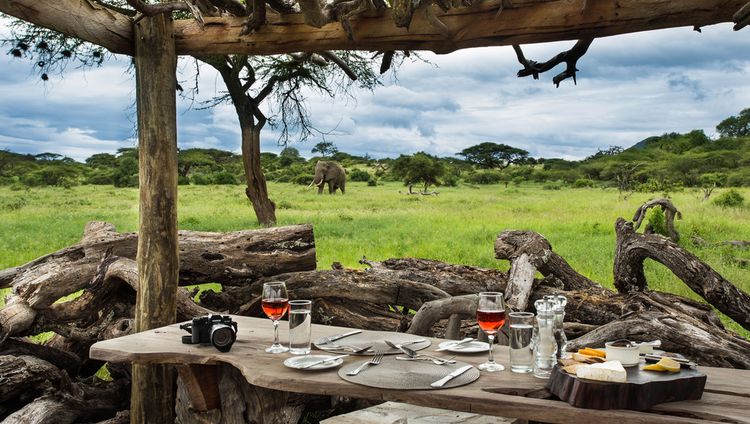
column 372, row 182
column 517, row 181
column 182, row 180
column 484, row 177
column 552, row 186
column 301, row 179
column 730, row 199
column 657, row 222
column 359, row 175
column 123, row 180
column 101, row 177
column 225, row 178
column 200, row 179
column 450, row 181
column 584, row 183
column 67, row 182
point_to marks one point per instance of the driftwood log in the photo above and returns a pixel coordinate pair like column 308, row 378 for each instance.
column 670, row 213
column 383, row 296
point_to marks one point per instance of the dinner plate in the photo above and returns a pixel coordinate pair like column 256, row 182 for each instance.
column 300, row 362
column 470, row 347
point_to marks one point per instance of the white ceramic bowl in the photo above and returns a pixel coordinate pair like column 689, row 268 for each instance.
column 628, row 356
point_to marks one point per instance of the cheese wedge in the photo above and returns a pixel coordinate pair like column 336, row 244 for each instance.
column 608, row 371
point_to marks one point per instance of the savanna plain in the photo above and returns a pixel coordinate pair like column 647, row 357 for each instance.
column 457, row 226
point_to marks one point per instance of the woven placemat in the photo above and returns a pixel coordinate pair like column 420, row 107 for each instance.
column 407, row 375
column 374, row 340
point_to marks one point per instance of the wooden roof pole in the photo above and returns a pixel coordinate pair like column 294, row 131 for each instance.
column 152, row 399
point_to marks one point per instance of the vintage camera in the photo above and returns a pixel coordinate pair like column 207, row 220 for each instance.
column 218, row 330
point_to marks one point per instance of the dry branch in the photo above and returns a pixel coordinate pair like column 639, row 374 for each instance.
column 634, row 248
column 569, row 57
column 670, row 213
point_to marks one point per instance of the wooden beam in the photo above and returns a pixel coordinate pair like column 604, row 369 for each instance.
column 76, row 18
column 152, row 398
column 529, row 21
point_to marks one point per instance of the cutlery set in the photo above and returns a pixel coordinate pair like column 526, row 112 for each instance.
column 410, row 355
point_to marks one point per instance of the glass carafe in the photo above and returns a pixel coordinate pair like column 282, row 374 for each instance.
column 545, row 349
column 558, row 306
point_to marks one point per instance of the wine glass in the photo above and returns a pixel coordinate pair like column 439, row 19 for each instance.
column 491, row 317
column 275, row 303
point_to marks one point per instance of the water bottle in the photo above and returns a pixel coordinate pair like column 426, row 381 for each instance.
column 545, row 349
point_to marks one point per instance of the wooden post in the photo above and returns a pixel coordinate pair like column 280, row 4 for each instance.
column 152, row 398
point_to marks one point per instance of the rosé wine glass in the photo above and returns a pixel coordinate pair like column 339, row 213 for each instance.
column 275, row 303
column 491, row 317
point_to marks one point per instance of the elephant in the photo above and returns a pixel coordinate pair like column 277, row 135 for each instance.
column 331, row 173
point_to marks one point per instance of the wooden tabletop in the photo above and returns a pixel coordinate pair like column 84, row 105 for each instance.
column 726, row 398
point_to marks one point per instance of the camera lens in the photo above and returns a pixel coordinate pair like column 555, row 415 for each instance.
column 222, row 337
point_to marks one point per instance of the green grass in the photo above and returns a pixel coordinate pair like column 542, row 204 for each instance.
column 458, row 226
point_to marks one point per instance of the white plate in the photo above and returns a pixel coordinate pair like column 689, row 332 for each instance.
column 299, row 362
column 470, row 347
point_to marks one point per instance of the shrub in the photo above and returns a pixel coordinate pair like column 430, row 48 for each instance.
column 183, row 180
column 517, row 181
column 301, row 179
column 14, row 204
column 200, row 179
column 552, row 186
column 284, row 205
column 100, row 177
column 67, row 182
column 450, row 181
column 657, row 222
column 584, row 183
column 484, row 177
column 730, row 199
column 372, row 182
column 225, row 178
column 359, row 175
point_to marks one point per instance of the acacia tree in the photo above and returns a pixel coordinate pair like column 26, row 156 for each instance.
column 325, row 148
column 419, row 168
column 492, row 155
column 735, row 126
column 280, row 81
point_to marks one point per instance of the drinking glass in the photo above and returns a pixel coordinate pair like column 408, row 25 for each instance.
column 491, row 317
column 300, row 323
column 275, row 303
column 521, row 352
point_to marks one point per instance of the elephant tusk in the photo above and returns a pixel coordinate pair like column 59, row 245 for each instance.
column 320, row 183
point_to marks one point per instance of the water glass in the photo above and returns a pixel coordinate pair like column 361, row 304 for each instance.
column 521, row 353
column 300, row 323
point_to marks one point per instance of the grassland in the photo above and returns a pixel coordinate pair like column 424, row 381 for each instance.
column 458, row 226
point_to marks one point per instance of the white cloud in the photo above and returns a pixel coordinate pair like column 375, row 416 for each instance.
column 629, row 87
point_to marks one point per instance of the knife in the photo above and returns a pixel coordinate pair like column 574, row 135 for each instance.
column 451, row 376
column 452, row 345
column 332, row 358
column 341, row 336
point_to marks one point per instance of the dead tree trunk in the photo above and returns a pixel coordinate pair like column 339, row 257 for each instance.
column 633, row 248
column 670, row 213
column 227, row 258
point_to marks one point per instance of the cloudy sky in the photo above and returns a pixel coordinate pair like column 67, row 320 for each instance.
column 629, row 87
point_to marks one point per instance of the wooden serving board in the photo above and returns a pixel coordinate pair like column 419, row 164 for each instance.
column 642, row 390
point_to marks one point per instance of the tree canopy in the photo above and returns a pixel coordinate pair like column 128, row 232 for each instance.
column 420, row 168
column 735, row 126
column 492, row 155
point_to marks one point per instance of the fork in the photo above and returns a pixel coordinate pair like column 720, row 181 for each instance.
column 374, row 361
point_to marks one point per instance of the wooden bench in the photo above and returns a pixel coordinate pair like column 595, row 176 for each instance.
column 402, row 413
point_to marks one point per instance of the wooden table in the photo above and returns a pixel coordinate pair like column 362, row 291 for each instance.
column 726, row 397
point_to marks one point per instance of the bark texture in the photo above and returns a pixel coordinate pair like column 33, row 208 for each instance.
column 152, row 396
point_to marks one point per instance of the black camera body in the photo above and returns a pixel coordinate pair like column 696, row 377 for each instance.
column 218, row 330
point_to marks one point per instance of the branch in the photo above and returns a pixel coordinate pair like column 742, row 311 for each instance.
column 570, row 57
column 158, row 8
column 741, row 19
column 340, row 63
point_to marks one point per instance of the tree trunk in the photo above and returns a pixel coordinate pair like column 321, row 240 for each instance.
column 152, row 398
column 633, row 248
column 256, row 191
column 228, row 258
